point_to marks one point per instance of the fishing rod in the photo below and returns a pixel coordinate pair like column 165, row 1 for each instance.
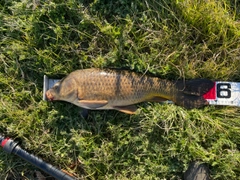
column 12, row 147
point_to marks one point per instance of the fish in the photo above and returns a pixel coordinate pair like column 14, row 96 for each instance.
column 101, row 89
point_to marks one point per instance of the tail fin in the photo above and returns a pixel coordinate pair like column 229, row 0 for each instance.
column 190, row 94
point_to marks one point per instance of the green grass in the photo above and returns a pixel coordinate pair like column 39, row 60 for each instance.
column 171, row 39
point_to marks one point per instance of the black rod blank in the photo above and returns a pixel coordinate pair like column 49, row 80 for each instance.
column 13, row 148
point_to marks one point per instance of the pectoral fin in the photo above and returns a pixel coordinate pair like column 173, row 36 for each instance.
column 131, row 109
column 93, row 104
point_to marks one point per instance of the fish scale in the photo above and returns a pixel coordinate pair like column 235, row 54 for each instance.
column 120, row 90
column 112, row 86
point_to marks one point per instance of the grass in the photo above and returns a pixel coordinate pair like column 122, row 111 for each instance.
column 171, row 39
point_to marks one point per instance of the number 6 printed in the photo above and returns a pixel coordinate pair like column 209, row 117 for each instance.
column 224, row 90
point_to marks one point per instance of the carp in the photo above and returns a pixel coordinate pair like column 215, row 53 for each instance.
column 120, row 90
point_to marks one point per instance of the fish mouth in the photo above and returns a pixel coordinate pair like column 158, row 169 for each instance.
column 49, row 96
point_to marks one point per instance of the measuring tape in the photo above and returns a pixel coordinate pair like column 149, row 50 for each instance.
column 47, row 84
column 223, row 92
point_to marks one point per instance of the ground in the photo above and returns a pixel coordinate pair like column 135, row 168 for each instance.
column 170, row 39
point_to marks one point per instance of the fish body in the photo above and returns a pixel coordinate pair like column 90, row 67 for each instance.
column 120, row 90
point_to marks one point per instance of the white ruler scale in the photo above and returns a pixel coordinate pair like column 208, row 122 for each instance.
column 47, row 84
column 223, row 93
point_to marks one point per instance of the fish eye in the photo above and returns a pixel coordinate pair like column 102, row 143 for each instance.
column 56, row 86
